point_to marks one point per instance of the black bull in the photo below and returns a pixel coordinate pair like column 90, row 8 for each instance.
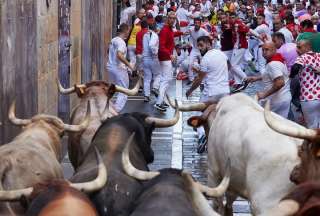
column 117, row 196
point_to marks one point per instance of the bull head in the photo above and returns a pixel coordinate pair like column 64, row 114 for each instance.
column 197, row 188
column 87, row 187
column 148, row 175
column 80, row 89
column 50, row 119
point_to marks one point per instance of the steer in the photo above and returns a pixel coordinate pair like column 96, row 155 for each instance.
column 34, row 155
column 98, row 93
column 261, row 158
column 59, row 197
column 121, row 190
column 171, row 191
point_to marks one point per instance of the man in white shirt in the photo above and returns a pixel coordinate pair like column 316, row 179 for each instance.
column 206, row 7
column 276, row 78
column 151, row 62
column 118, row 65
column 279, row 27
column 264, row 32
column 128, row 11
column 213, row 72
column 195, row 33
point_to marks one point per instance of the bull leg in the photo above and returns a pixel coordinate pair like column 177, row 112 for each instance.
column 213, row 181
column 230, row 197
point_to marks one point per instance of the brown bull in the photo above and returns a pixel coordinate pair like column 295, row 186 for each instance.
column 34, row 155
column 98, row 93
column 59, row 197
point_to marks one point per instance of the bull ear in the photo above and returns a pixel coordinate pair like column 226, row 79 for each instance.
column 111, row 91
column 80, row 90
column 195, row 121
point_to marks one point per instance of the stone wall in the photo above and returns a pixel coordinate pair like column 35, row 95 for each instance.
column 47, row 51
column 18, row 62
column 75, row 33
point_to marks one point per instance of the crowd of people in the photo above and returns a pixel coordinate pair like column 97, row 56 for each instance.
column 216, row 44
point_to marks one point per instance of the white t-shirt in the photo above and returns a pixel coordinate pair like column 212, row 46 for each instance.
column 214, row 64
column 287, row 35
column 194, row 35
column 183, row 14
column 274, row 70
column 116, row 44
column 205, row 8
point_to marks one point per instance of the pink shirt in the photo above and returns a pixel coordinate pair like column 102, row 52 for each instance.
column 289, row 53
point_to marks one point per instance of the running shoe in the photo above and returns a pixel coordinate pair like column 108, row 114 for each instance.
column 155, row 92
column 160, row 107
column 146, row 99
column 202, row 144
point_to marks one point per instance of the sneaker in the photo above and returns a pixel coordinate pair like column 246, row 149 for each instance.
column 240, row 87
column 146, row 99
column 165, row 105
column 155, row 92
column 202, row 145
column 160, row 107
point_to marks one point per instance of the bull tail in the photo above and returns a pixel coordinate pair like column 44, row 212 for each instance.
column 4, row 166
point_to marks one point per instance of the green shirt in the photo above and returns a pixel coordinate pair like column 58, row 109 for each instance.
column 313, row 37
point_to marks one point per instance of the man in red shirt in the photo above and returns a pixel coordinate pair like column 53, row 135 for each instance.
column 166, row 57
column 239, row 39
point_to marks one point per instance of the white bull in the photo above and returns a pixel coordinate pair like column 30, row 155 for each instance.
column 261, row 159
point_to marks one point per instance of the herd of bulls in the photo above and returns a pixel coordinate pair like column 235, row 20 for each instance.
column 252, row 153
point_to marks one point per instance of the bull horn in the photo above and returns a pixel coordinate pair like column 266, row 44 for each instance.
column 188, row 107
column 15, row 195
column 84, row 124
column 198, row 198
column 286, row 207
column 221, row 188
column 287, row 128
column 63, row 90
column 129, row 92
column 161, row 123
column 98, row 183
column 130, row 169
column 14, row 119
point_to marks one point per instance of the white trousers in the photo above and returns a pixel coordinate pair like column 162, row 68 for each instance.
column 151, row 72
column 166, row 73
column 132, row 54
column 311, row 113
column 236, row 61
column 229, row 55
column 194, row 55
column 281, row 108
column 119, row 76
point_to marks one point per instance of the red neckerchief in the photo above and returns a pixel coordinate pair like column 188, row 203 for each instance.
column 309, row 30
column 277, row 57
